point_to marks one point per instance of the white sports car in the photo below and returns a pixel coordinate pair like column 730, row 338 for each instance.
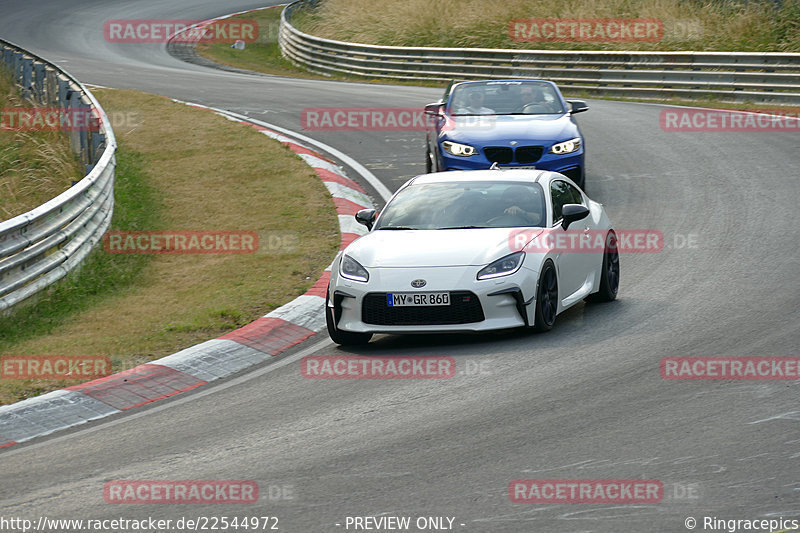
column 472, row 251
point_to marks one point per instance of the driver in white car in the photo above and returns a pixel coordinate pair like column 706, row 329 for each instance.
column 520, row 199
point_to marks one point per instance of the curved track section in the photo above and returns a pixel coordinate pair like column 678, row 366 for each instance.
column 585, row 401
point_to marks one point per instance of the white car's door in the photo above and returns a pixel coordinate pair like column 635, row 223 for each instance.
column 575, row 262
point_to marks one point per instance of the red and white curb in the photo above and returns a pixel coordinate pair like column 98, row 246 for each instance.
column 198, row 365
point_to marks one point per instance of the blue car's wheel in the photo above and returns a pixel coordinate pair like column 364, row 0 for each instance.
column 428, row 161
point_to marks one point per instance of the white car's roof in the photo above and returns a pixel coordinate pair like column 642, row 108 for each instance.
column 505, row 174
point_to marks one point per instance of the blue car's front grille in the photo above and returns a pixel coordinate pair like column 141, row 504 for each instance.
column 523, row 155
column 499, row 154
column 528, row 154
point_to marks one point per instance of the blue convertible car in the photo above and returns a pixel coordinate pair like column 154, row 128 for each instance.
column 514, row 123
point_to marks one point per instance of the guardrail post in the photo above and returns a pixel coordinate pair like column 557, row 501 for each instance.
column 39, row 82
column 73, row 104
column 51, row 84
column 98, row 144
column 63, row 94
column 27, row 78
column 17, row 66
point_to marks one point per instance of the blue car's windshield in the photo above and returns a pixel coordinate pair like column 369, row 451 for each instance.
column 467, row 204
column 505, row 98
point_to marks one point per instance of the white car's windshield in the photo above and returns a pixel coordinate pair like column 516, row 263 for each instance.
column 505, row 98
column 469, row 204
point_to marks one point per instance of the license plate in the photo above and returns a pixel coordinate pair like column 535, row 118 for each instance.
column 417, row 299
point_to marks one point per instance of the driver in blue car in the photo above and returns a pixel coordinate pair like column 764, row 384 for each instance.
column 532, row 100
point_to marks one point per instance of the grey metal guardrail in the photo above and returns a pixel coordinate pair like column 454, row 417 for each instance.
column 42, row 246
column 727, row 76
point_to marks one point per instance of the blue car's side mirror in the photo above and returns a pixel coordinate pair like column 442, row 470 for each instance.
column 435, row 109
column 578, row 106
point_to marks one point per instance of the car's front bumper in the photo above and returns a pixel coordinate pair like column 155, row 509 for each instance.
column 505, row 302
column 571, row 165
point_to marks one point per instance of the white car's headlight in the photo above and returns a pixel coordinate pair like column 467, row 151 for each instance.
column 462, row 150
column 503, row 266
column 352, row 269
column 567, row 147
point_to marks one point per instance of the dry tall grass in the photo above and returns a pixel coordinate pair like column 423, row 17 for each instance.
column 688, row 24
column 35, row 166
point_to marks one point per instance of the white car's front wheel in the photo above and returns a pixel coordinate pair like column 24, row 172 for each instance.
column 344, row 338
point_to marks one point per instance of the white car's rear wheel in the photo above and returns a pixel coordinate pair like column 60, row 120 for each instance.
column 546, row 298
column 609, row 277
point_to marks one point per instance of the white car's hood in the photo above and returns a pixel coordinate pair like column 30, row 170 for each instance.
column 430, row 248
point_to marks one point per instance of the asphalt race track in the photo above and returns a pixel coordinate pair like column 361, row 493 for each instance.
column 584, row 401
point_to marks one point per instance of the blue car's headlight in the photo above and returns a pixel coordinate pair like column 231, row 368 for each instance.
column 462, row 150
column 566, row 147
column 352, row 269
column 503, row 266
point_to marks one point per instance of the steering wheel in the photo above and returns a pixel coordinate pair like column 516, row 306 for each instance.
column 533, row 109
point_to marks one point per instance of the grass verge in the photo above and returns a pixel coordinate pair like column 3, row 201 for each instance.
column 181, row 168
column 722, row 25
column 35, row 166
column 265, row 56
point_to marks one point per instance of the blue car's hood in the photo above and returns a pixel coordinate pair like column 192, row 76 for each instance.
column 496, row 129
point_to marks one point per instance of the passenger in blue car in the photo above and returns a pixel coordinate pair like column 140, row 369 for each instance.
column 475, row 104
